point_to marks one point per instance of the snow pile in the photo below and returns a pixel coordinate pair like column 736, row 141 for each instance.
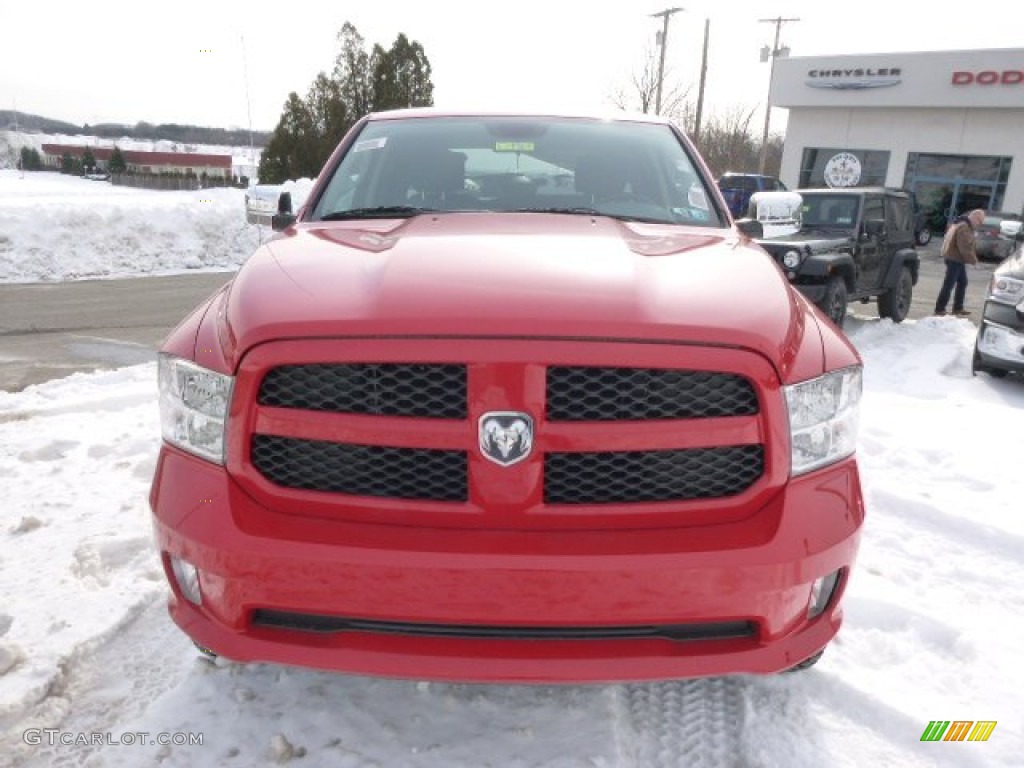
column 299, row 190
column 56, row 227
column 933, row 615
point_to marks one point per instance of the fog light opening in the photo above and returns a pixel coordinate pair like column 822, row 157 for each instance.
column 187, row 577
column 821, row 593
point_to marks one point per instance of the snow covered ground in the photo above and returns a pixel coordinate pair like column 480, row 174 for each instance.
column 934, row 613
column 57, row 227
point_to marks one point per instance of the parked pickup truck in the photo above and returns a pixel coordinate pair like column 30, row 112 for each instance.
column 510, row 398
column 737, row 188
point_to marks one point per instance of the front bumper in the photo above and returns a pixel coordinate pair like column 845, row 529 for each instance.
column 516, row 585
column 1000, row 342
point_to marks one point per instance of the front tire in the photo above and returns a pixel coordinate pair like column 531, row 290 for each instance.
column 924, row 236
column 895, row 303
column 833, row 303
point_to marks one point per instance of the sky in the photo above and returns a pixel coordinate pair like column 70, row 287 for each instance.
column 185, row 62
column 934, row 611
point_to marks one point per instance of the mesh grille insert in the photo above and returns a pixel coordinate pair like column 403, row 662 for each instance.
column 364, row 470
column 613, row 394
column 639, row 476
column 379, row 389
column 307, row 622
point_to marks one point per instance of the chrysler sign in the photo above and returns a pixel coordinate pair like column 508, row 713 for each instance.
column 854, row 78
column 989, row 77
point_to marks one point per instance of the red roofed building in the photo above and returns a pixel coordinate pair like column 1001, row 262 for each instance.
column 139, row 161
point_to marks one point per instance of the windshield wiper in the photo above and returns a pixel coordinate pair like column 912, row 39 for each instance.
column 575, row 211
column 377, row 212
column 595, row 212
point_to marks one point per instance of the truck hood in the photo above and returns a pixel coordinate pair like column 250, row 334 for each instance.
column 515, row 275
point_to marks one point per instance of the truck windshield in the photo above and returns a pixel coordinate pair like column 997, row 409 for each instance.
column 826, row 211
column 628, row 170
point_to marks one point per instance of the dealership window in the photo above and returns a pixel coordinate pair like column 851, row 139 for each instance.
column 989, row 170
column 873, row 166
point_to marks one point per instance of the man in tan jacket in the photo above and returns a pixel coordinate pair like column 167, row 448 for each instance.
column 958, row 251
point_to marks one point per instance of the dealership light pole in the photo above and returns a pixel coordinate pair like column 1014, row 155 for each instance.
column 663, row 41
column 772, row 54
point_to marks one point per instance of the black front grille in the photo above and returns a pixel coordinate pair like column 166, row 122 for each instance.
column 311, row 622
column 379, row 389
column 638, row 476
column 363, row 470
column 612, row 394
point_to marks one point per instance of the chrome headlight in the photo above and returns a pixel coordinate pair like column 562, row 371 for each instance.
column 1007, row 290
column 823, row 417
column 194, row 404
column 791, row 259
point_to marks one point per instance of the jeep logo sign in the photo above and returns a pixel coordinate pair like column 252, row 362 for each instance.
column 989, row 77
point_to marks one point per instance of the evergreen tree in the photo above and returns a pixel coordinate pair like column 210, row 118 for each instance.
column 68, row 164
column 117, row 161
column 88, row 160
column 292, row 145
column 310, row 129
column 352, row 72
column 401, row 76
column 30, row 160
column 329, row 117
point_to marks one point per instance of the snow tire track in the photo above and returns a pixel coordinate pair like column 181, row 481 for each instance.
column 682, row 724
column 134, row 668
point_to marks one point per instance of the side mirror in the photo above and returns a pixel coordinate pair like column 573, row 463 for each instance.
column 875, row 228
column 284, row 217
column 1013, row 230
column 750, row 228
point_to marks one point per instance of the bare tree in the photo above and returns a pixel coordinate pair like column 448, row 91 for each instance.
column 727, row 144
column 641, row 91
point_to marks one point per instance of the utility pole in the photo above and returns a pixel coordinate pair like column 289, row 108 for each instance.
column 703, row 79
column 248, row 103
column 665, row 15
column 774, row 53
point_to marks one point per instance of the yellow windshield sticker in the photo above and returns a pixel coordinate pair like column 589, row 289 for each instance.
column 513, row 146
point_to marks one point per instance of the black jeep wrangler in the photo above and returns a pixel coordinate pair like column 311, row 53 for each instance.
column 853, row 244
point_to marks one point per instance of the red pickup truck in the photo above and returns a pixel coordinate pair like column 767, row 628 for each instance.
column 510, row 399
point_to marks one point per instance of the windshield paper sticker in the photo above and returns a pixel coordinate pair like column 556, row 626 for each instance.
column 513, row 146
column 362, row 146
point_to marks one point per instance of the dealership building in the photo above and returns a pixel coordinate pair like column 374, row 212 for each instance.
column 948, row 125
